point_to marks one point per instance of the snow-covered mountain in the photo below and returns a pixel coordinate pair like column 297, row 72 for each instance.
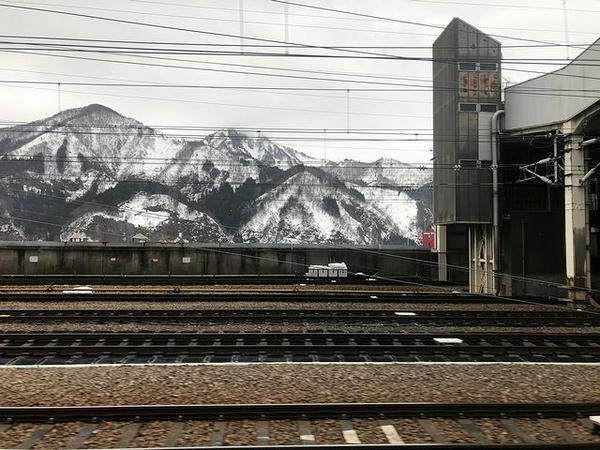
column 383, row 172
column 311, row 206
column 94, row 170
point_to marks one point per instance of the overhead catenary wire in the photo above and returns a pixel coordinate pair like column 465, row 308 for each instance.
column 450, row 290
column 407, row 88
column 391, row 19
column 233, row 105
column 229, row 35
column 329, row 166
column 530, row 91
column 170, row 45
column 329, row 17
column 541, row 281
column 507, row 5
column 271, row 23
column 340, row 136
column 568, row 75
column 182, row 29
column 270, row 67
column 145, row 52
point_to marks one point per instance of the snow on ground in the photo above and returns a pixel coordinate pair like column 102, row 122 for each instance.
column 150, row 211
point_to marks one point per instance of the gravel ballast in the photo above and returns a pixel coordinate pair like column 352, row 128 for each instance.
column 282, row 432
column 268, row 328
column 300, row 286
column 275, row 383
column 374, row 304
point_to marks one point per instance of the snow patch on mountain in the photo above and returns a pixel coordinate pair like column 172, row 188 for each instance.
column 151, row 214
column 9, row 231
column 149, row 211
column 305, row 208
column 89, row 143
column 382, row 172
column 398, row 206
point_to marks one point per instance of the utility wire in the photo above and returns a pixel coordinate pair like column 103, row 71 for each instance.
column 182, row 29
column 389, row 19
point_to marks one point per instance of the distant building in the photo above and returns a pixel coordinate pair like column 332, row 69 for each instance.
column 140, row 239
column 78, row 237
column 331, row 270
column 180, row 239
column 428, row 239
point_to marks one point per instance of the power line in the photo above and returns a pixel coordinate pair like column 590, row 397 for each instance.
column 194, row 68
column 286, row 69
column 304, row 134
column 233, row 105
column 389, row 19
column 362, row 19
column 139, row 23
column 505, row 5
column 134, row 51
column 297, row 70
column 187, row 30
column 217, row 44
column 529, row 90
column 529, row 62
column 220, row 163
column 304, row 94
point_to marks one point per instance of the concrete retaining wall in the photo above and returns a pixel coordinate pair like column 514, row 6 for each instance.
column 46, row 258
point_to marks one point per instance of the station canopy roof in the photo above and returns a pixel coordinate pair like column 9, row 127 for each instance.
column 555, row 97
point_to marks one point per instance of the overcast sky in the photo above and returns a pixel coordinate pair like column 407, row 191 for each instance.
column 177, row 107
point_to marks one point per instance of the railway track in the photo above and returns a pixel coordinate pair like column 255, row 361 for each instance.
column 123, row 280
column 230, row 347
column 436, row 318
column 365, row 425
column 56, row 295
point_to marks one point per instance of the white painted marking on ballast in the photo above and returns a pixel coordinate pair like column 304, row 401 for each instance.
column 448, row 340
column 349, row 433
column 391, row 434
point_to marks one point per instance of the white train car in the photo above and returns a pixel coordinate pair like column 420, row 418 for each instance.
column 331, row 270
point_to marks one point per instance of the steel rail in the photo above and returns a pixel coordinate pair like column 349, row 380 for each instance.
column 318, row 350
column 295, row 410
column 344, row 411
column 279, row 296
column 529, row 446
column 8, row 279
column 448, row 317
column 142, row 335
column 266, row 346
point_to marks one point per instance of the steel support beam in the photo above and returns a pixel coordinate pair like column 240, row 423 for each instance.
column 577, row 232
column 442, row 251
column 481, row 259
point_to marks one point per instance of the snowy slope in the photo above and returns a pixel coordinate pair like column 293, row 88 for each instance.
column 91, row 146
column 383, row 172
column 401, row 209
column 159, row 217
column 308, row 207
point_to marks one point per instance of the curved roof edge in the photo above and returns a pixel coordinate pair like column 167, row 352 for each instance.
column 555, row 97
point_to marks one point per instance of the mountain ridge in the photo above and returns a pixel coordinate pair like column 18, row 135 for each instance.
column 82, row 170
